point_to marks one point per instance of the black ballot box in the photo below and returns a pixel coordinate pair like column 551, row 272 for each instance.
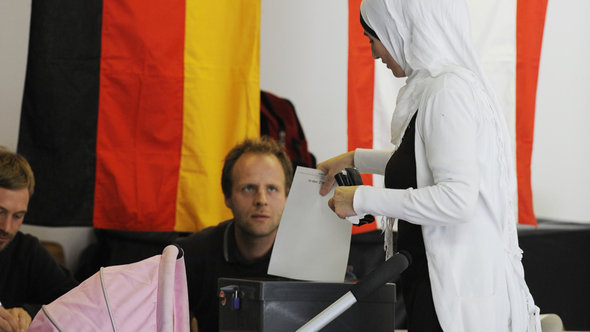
column 280, row 305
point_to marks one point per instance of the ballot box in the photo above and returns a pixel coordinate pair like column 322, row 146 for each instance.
column 278, row 305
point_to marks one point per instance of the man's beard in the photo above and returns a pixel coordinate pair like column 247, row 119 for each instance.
column 252, row 233
column 6, row 235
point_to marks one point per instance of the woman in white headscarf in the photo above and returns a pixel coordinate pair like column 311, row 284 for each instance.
column 450, row 183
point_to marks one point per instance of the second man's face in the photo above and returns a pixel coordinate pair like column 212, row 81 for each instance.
column 258, row 194
column 13, row 206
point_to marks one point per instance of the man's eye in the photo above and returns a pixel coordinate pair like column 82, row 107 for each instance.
column 248, row 189
column 272, row 189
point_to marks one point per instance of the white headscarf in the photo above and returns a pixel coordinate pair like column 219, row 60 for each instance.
column 428, row 38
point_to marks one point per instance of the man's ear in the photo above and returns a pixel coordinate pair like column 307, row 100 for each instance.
column 228, row 202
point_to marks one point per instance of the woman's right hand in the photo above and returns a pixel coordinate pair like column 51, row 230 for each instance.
column 332, row 167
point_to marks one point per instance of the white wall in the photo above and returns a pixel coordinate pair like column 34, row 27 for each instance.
column 14, row 42
column 304, row 46
column 561, row 155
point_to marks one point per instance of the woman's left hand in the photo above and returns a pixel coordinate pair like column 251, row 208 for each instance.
column 342, row 201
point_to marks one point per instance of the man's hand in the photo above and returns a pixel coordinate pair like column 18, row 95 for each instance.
column 342, row 201
column 14, row 320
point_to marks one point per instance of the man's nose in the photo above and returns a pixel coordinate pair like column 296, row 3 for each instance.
column 4, row 223
column 261, row 198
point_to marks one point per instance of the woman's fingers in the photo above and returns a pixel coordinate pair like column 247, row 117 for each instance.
column 327, row 185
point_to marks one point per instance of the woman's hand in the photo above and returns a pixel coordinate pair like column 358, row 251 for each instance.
column 332, row 167
column 342, row 201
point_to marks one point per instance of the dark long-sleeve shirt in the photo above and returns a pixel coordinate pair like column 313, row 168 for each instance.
column 29, row 276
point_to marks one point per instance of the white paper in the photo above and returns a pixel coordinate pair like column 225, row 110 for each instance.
column 312, row 242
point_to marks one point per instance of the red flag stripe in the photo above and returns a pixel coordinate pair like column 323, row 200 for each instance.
column 139, row 132
column 530, row 22
column 361, row 74
column 360, row 83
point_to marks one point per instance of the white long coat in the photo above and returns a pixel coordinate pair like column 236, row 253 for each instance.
column 473, row 256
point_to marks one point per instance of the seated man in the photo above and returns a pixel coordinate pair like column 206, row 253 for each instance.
column 255, row 180
column 29, row 276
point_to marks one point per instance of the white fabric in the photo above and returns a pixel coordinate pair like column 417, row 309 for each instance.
column 465, row 198
column 371, row 161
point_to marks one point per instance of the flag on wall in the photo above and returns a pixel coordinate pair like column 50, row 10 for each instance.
column 130, row 107
column 507, row 35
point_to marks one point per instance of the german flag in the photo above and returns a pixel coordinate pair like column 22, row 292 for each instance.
column 130, row 106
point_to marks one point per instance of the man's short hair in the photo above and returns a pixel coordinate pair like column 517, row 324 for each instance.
column 15, row 172
column 263, row 145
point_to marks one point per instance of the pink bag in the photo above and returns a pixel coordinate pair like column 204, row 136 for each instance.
column 150, row 295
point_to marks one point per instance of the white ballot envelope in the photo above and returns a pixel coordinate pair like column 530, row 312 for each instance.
column 312, row 242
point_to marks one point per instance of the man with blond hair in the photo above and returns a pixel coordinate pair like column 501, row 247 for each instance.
column 255, row 180
column 29, row 276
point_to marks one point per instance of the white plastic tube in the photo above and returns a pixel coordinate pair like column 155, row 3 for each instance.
column 329, row 314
